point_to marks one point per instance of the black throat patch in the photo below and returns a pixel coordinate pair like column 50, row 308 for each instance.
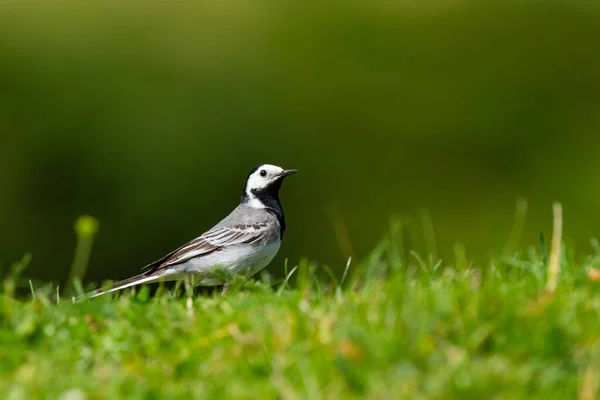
column 269, row 197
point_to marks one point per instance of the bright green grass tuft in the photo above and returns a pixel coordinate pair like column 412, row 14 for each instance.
column 423, row 331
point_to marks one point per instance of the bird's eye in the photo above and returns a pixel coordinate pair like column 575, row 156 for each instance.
column 263, row 173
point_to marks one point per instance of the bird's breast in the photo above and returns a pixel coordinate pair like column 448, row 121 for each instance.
column 251, row 259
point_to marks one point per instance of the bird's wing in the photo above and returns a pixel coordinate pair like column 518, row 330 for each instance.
column 213, row 240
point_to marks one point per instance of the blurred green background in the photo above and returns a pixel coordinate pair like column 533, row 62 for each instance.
column 149, row 115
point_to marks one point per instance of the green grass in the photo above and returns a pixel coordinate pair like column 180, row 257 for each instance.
column 398, row 327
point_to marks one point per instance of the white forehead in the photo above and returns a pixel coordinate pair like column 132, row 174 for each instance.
column 271, row 169
column 257, row 181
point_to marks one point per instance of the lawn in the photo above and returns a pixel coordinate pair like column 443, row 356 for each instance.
column 396, row 326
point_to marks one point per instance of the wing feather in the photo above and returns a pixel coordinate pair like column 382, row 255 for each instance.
column 211, row 241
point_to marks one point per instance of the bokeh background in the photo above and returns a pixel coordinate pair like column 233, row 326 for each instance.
column 149, row 114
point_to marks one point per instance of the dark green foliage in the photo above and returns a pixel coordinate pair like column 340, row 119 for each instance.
column 149, row 117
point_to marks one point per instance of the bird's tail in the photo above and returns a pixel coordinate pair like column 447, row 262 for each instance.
column 134, row 280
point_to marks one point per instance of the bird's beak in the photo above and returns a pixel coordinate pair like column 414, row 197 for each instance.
column 287, row 172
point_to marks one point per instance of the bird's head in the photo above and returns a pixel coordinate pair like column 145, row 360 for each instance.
column 262, row 182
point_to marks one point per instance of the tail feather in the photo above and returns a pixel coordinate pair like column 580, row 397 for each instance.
column 134, row 280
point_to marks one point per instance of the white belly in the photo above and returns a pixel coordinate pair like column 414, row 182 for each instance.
column 242, row 259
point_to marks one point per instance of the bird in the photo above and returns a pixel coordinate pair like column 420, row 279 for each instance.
column 243, row 243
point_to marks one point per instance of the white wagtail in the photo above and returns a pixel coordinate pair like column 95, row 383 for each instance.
column 243, row 243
